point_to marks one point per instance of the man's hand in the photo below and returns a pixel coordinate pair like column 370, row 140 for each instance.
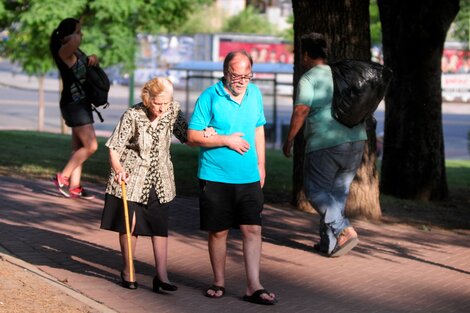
column 237, row 143
column 287, row 148
column 262, row 175
column 297, row 120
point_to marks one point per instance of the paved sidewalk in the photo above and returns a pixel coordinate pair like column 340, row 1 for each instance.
column 396, row 268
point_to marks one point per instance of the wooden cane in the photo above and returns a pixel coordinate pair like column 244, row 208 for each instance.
column 128, row 231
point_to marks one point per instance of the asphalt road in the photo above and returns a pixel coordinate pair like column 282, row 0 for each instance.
column 19, row 110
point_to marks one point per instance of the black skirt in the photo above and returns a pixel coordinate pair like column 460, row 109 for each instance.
column 151, row 218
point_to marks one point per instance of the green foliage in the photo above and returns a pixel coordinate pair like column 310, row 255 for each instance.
column 7, row 12
column 109, row 27
column 461, row 27
column 248, row 21
column 31, row 23
column 288, row 34
column 375, row 24
column 3, row 13
column 205, row 20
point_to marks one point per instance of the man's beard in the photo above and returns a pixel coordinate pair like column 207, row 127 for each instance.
column 232, row 91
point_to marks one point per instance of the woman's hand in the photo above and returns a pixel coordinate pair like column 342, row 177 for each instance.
column 93, row 60
column 208, row 132
column 122, row 176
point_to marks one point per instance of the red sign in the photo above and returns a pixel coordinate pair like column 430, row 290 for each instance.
column 260, row 52
column 455, row 61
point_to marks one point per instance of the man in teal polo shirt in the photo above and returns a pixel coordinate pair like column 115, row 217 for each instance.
column 232, row 170
column 333, row 152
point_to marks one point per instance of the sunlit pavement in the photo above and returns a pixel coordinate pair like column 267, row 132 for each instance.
column 395, row 268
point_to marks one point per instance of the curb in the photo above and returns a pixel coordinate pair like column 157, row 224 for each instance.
column 7, row 256
column 26, row 88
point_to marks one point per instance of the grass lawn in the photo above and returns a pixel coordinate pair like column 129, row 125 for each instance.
column 40, row 155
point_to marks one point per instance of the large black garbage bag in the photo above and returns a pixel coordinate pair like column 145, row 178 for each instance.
column 359, row 86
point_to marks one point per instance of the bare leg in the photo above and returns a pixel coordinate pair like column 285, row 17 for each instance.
column 77, row 172
column 252, row 255
column 160, row 254
column 84, row 144
column 217, row 243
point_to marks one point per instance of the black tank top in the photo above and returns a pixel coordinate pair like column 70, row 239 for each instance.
column 71, row 92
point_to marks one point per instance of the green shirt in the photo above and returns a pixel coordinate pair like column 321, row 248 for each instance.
column 315, row 89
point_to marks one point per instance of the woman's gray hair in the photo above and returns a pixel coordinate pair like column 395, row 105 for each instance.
column 155, row 87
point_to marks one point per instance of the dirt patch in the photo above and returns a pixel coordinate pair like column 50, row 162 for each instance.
column 23, row 291
column 452, row 214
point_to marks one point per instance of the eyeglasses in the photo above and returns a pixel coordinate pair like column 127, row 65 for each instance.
column 235, row 77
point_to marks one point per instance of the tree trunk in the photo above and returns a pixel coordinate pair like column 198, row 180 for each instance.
column 364, row 196
column 41, row 103
column 345, row 24
column 414, row 32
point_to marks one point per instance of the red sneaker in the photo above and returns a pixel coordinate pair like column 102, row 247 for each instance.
column 80, row 192
column 62, row 184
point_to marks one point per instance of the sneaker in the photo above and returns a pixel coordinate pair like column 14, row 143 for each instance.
column 62, row 184
column 346, row 240
column 80, row 192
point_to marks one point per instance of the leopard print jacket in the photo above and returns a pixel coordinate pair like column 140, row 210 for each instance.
column 145, row 153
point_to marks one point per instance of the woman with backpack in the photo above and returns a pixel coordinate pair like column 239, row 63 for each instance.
column 75, row 108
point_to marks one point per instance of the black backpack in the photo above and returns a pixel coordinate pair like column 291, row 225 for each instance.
column 97, row 86
column 359, row 86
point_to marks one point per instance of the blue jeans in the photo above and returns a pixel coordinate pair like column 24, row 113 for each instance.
column 328, row 174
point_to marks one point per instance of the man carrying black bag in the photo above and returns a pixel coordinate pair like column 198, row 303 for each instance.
column 333, row 151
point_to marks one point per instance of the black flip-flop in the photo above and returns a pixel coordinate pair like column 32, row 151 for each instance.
column 215, row 288
column 256, row 298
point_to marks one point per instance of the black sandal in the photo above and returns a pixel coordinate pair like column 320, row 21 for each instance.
column 215, row 288
column 256, row 298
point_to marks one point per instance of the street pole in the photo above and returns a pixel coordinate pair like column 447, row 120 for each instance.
column 131, row 89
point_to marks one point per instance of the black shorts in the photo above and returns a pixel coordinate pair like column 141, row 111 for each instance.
column 223, row 206
column 77, row 113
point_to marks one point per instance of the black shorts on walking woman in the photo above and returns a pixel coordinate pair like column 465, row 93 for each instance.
column 151, row 218
column 77, row 114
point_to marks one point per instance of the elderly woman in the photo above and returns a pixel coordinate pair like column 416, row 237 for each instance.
column 139, row 151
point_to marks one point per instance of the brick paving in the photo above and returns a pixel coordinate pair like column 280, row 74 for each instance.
column 396, row 268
